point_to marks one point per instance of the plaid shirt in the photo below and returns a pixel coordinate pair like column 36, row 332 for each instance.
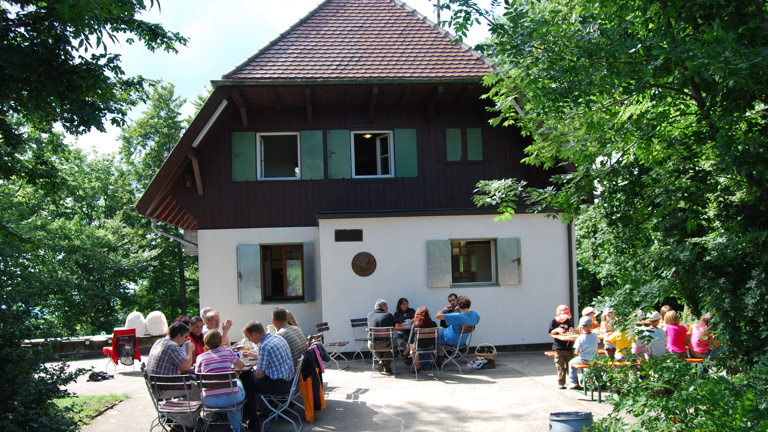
column 275, row 358
column 165, row 357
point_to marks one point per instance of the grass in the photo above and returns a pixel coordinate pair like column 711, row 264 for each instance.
column 83, row 409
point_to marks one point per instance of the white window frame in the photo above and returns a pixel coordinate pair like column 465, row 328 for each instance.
column 260, row 155
column 391, row 154
column 493, row 261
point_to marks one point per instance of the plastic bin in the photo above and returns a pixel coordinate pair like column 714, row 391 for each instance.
column 572, row 421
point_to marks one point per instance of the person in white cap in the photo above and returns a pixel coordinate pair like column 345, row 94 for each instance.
column 592, row 313
column 585, row 349
column 651, row 341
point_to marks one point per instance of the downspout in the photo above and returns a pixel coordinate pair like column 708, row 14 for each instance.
column 570, row 266
column 170, row 236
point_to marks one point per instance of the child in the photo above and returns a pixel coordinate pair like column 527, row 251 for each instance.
column 652, row 341
column 702, row 342
column 585, row 348
column 677, row 335
column 607, row 329
column 561, row 324
column 592, row 313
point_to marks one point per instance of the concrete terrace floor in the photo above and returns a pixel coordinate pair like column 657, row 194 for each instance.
column 518, row 395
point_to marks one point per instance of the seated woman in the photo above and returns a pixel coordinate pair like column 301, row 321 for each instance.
column 402, row 314
column 702, row 342
column 421, row 319
column 196, row 335
column 217, row 360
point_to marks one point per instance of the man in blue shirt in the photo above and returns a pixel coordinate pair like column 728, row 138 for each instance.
column 274, row 367
column 451, row 335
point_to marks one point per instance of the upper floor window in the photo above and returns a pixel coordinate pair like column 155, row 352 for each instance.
column 279, row 156
column 372, row 154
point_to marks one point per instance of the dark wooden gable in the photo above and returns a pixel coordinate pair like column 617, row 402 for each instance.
column 453, row 146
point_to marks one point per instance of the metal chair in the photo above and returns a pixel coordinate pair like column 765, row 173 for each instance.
column 425, row 343
column 279, row 404
column 124, row 348
column 333, row 347
column 169, row 411
column 219, row 381
column 382, row 334
column 459, row 351
column 361, row 341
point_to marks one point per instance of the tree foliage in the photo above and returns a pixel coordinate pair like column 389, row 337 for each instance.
column 658, row 112
column 658, row 108
column 57, row 71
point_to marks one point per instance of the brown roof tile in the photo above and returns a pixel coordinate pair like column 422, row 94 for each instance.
column 367, row 40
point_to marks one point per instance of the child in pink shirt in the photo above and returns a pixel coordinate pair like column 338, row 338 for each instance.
column 677, row 335
column 701, row 341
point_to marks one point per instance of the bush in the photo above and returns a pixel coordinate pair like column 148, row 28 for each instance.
column 670, row 394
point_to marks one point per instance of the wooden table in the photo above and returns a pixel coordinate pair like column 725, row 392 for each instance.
column 571, row 337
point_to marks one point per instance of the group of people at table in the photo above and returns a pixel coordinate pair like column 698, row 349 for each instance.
column 202, row 345
column 406, row 320
column 659, row 333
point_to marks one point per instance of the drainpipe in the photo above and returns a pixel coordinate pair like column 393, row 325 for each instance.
column 570, row 266
column 170, row 236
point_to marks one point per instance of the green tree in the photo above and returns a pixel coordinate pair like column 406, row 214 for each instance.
column 658, row 112
column 146, row 143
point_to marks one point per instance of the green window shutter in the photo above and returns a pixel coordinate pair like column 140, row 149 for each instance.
column 453, row 144
column 309, row 272
column 339, row 154
column 406, row 155
column 439, row 263
column 312, row 155
column 249, row 274
column 243, row 156
column 474, row 144
column 508, row 254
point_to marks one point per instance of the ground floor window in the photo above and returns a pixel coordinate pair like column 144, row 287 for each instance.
column 473, row 261
column 282, row 272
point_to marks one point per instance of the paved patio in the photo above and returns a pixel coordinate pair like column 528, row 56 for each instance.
column 518, row 395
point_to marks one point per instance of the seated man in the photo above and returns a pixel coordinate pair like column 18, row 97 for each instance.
column 380, row 317
column 452, row 334
column 212, row 323
column 274, row 367
column 167, row 357
column 293, row 335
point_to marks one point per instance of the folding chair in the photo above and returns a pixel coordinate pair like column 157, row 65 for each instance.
column 425, row 344
column 218, row 381
column 459, row 351
column 124, row 348
column 170, row 410
column 361, row 341
column 279, row 404
column 334, row 348
column 382, row 334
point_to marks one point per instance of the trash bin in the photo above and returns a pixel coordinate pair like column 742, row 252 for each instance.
column 573, row 421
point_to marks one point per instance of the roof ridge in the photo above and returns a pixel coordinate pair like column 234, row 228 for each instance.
column 275, row 41
column 282, row 44
column 444, row 32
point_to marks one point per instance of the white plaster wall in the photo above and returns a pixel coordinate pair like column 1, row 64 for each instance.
column 510, row 315
column 218, row 275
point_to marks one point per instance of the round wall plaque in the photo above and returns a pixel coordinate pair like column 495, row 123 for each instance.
column 363, row 264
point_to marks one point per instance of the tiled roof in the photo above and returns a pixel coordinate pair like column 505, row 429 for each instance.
column 368, row 40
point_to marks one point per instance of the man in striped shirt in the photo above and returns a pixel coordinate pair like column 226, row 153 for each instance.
column 292, row 334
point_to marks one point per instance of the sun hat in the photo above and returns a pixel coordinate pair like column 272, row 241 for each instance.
column 588, row 310
column 653, row 316
column 563, row 312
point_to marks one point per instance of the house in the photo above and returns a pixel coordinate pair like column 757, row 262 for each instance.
column 336, row 166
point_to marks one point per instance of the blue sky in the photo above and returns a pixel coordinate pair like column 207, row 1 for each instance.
column 222, row 34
